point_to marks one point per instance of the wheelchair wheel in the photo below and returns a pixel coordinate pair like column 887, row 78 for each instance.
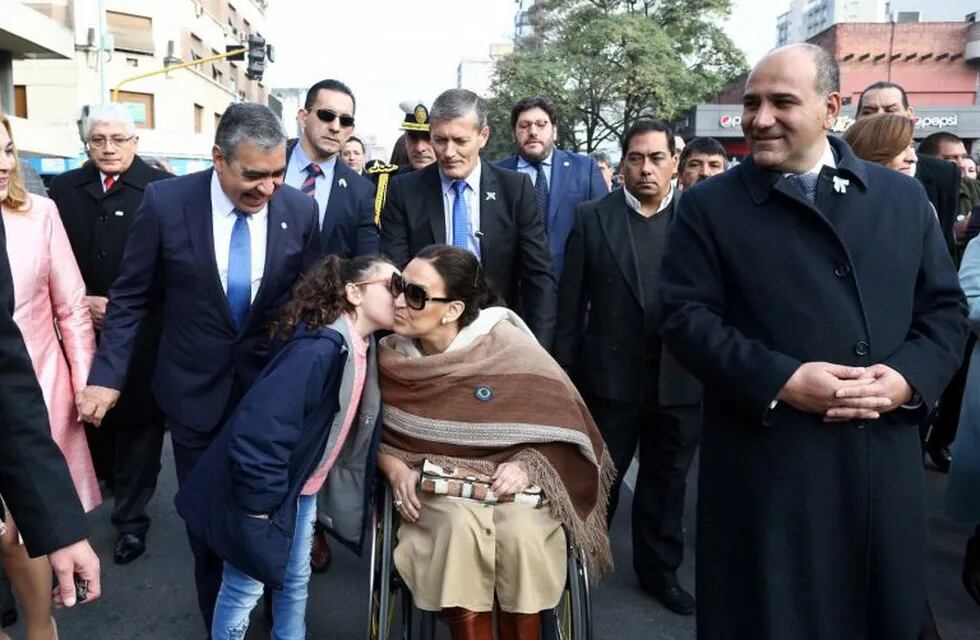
column 572, row 618
column 388, row 593
column 383, row 591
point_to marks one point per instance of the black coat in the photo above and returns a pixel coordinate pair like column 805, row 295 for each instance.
column 941, row 180
column 34, row 479
column 808, row 530
column 601, row 285
column 97, row 224
column 513, row 247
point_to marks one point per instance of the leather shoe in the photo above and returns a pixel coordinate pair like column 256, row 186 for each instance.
column 672, row 596
column 321, row 556
column 129, row 547
column 940, row 457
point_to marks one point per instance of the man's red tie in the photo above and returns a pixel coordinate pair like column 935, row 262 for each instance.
column 109, row 181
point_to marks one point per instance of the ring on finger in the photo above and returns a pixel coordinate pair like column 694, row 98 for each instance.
column 398, row 504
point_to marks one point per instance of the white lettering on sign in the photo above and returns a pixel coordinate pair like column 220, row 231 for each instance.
column 930, row 122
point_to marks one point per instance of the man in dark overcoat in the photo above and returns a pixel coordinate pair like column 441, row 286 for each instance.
column 98, row 203
column 813, row 295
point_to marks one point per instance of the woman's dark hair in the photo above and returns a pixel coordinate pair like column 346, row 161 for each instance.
column 319, row 297
column 463, row 275
column 399, row 152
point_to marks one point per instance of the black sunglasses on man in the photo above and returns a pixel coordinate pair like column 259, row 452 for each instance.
column 328, row 116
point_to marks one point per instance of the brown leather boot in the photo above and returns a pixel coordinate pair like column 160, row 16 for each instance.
column 518, row 626
column 469, row 625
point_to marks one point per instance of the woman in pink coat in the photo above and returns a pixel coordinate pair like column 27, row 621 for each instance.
column 49, row 303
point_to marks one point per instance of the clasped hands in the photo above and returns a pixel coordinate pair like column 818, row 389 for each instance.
column 841, row 393
column 93, row 402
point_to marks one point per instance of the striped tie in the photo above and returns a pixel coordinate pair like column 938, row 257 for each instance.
column 313, row 171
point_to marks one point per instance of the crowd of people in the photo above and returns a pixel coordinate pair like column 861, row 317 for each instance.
column 498, row 341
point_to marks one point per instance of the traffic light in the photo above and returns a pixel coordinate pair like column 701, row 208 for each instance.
column 256, row 58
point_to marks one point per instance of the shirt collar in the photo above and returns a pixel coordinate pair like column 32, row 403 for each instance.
column 472, row 180
column 221, row 204
column 359, row 344
column 304, row 160
column 826, row 159
column 634, row 203
column 523, row 162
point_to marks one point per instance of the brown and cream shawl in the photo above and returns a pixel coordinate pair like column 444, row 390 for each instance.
column 495, row 396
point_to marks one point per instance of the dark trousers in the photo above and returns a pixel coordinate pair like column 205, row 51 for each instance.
column 947, row 416
column 189, row 446
column 667, row 438
column 126, row 454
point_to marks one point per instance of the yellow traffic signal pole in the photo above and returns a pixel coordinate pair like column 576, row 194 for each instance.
column 185, row 65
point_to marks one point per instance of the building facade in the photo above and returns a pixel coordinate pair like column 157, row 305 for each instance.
column 176, row 113
column 938, row 64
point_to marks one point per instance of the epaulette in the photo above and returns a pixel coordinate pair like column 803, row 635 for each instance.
column 383, row 171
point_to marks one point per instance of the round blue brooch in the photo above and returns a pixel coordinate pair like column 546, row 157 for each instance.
column 483, row 393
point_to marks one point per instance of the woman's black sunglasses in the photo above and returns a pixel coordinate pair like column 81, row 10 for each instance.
column 326, row 115
column 415, row 296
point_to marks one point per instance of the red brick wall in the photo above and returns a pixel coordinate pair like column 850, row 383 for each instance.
column 950, row 81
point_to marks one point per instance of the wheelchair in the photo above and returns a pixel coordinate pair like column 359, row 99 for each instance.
column 392, row 610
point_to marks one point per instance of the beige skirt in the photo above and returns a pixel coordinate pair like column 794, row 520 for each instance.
column 460, row 553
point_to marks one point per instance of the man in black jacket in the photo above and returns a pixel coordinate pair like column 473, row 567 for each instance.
column 822, row 337
column 636, row 391
column 34, row 479
column 462, row 201
column 98, row 203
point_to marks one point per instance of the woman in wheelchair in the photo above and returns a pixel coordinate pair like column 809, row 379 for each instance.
column 299, row 448
column 508, row 456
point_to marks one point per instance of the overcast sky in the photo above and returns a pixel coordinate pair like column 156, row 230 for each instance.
column 389, row 51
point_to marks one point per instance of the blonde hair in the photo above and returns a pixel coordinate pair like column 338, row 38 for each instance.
column 17, row 198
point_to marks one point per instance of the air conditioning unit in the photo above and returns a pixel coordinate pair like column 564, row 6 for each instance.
column 906, row 16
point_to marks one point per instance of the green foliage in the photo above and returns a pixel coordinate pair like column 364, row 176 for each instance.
column 605, row 62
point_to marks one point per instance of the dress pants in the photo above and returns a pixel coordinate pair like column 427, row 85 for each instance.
column 189, row 446
column 667, row 438
column 126, row 454
column 947, row 418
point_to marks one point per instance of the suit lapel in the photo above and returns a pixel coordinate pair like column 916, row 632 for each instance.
column 613, row 218
column 491, row 212
column 200, row 230
column 335, row 203
column 559, row 174
column 433, row 205
column 275, row 236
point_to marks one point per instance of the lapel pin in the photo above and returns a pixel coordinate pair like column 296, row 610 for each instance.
column 284, row 225
column 491, row 195
column 342, row 182
column 840, row 184
column 566, row 163
column 119, row 213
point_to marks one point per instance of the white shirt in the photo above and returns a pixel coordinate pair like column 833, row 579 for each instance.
column 471, row 196
column 223, row 221
column 296, row 176
column 634, row 203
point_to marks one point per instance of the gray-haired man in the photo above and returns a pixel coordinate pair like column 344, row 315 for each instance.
column 224, row 247
column 98, row 203
column 478, row 207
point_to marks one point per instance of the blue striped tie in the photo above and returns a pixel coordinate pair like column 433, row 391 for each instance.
column 240, row 269
column 461, row 217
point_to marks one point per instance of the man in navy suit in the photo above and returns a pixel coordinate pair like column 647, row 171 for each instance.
column 345, row 200
column 569, row 178
column 223, row 247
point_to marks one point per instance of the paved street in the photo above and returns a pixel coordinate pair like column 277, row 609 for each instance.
column 154, row 597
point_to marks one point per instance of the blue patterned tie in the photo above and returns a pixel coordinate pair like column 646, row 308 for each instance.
column 808, row 184
column 461, row 217
column 240, row 269
column 542, row 192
